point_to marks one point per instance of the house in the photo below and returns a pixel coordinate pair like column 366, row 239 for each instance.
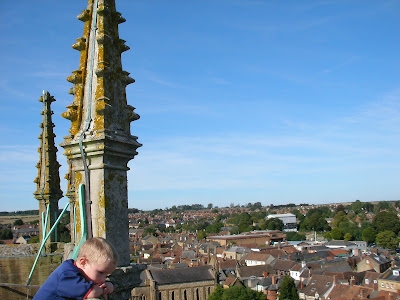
column 182, row 283
column 235, row 252
column 23, row 240
column 371, row 280
column 297, row 269
column 262, row 237
column 282, row 267
column 390, row 280
column 319, row 287
column 375, row 262
column 232, row 281
column 257, row 258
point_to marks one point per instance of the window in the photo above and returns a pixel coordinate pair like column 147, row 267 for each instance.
column 313, row 282
column 367, row 281
column 184, row 295
column 173, row 295
column 328, row 284
column 197, row 294
column 382, row 284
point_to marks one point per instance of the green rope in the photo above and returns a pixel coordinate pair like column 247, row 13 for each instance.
column 83, row 221
column 43, row 243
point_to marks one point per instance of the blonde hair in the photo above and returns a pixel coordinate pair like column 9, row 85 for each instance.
column 98, row 250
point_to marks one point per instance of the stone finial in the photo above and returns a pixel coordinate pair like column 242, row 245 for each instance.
column 48, row 190
column 100, row 144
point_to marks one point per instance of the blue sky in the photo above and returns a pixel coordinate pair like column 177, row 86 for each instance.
column 240, row 101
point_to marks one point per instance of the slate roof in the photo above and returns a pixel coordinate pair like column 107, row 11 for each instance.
column 340, row 243
column 284, row 265
column 171, row 276
column 238, row 249
column 380, row 259
column 248, row 271
column 164, row 266
column 391, row 274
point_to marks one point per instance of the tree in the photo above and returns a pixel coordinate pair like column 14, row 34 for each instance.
column 210, row 206
column 34, row 240
column 386, row 220
column 201, row 235
column 315, row 221
column 237, row 293
column 288, row 289
column 274, row 224
column 369, row 235
column 6, row 234
column 348, row 237
column 369, row 207
column 295, row 236
column 387, row 239
column 150, row 230
column 328, row 236
column 340, row 207
column 339, row 218
column 18, row 222
column 337, row 234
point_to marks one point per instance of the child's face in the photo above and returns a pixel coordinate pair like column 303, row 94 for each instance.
column 98, row 272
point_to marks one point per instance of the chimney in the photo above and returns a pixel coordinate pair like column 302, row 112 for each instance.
column 352, row 281
column 303, row 264
column 265, row 274
column 335, row 280
column 273, row 279
column 363, row 293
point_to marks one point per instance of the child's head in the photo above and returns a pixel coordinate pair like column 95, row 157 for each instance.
column 97, row 258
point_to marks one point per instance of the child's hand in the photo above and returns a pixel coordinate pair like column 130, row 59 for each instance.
column 96, row 292
column 107, row 287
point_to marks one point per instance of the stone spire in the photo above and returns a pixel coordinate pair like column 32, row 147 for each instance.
column 100, row 143
column 48, row 190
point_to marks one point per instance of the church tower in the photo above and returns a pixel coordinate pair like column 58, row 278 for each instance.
column 48, row 191
column 100, row 143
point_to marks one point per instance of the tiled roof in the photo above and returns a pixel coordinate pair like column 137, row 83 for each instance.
column 318, row 284
column 257, row 256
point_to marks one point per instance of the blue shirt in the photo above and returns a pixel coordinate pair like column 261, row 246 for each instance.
column 66, row 282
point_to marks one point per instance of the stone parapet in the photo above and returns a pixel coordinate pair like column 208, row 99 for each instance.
column 124, row 280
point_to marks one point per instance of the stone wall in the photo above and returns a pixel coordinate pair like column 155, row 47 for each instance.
column 16, row 269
